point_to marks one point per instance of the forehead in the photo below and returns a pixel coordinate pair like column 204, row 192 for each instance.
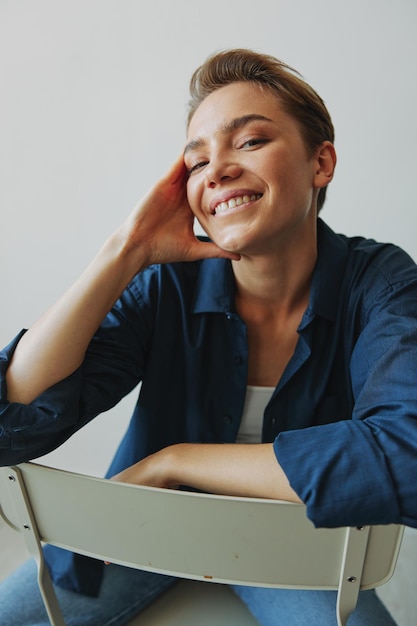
column 233, row 101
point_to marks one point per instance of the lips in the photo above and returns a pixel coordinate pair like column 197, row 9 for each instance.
column 233, row 202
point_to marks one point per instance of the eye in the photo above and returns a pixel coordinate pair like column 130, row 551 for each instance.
column 197, row 166
column 253, row 141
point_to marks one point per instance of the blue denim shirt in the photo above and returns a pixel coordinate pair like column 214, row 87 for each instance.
column 343, row 417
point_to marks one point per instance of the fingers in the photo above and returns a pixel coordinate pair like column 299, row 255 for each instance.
column 161, row 225
column 177, row 173
column 212, row 251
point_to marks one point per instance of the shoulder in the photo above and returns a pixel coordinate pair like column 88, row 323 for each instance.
column 380, row 270
column 361, row 277
column 371, row 262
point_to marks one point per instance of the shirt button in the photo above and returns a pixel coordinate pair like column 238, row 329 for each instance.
column 227, row 419
column 238, row 360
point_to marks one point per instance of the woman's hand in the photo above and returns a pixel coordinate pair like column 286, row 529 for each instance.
column 160, row 228
column 249, row 470
column 154, row 470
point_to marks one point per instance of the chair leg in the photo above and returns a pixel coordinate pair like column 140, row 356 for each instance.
column 30, row 535
column 351, row 572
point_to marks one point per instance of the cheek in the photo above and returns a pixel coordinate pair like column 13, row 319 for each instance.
column 193, row 196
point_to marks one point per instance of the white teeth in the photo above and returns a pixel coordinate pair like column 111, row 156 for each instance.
column 237, row 201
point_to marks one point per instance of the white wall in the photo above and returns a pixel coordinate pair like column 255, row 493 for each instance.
column 92, row 111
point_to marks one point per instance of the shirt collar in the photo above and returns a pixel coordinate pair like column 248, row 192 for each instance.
column 215, row 285
column 328, row 273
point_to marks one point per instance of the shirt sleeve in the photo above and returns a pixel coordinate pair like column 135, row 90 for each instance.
column 363, row 471
column 113, row 366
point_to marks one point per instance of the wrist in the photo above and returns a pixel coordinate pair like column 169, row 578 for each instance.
column 126, row 259
column 170, row 466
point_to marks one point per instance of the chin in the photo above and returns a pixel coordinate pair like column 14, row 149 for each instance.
column 230, row 240
column 230, row 244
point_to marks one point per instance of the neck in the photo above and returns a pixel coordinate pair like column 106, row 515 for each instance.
column 277, row 279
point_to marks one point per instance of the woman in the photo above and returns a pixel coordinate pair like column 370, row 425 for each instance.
column 284, row 351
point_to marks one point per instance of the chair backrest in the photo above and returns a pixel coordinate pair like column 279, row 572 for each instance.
column 205, row 537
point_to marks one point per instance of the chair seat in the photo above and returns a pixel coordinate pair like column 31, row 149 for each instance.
column 191, row 603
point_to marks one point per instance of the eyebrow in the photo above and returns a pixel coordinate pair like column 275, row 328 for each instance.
column 227, row 128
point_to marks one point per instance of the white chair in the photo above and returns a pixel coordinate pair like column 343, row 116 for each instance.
column 203, row 537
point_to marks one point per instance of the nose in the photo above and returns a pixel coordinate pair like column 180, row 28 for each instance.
column 221, row 169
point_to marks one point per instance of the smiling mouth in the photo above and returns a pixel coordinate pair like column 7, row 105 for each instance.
column 234, row 202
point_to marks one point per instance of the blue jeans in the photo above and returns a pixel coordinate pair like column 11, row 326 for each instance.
column 125, row 592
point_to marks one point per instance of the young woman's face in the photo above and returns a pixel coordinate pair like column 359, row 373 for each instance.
column 251, row 181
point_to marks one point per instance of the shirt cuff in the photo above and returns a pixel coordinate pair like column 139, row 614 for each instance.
column 5, row 357
column 340, row 472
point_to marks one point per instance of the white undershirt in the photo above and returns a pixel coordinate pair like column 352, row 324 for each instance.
column 250, row 430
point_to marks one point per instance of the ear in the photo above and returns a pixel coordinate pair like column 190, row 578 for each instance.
column 325, row 164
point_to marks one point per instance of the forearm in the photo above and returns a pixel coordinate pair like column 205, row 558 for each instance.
column 55, row 345
column 232, row 469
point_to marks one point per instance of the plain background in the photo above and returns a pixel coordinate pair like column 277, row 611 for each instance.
column 93, row 96
column 92, row 112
